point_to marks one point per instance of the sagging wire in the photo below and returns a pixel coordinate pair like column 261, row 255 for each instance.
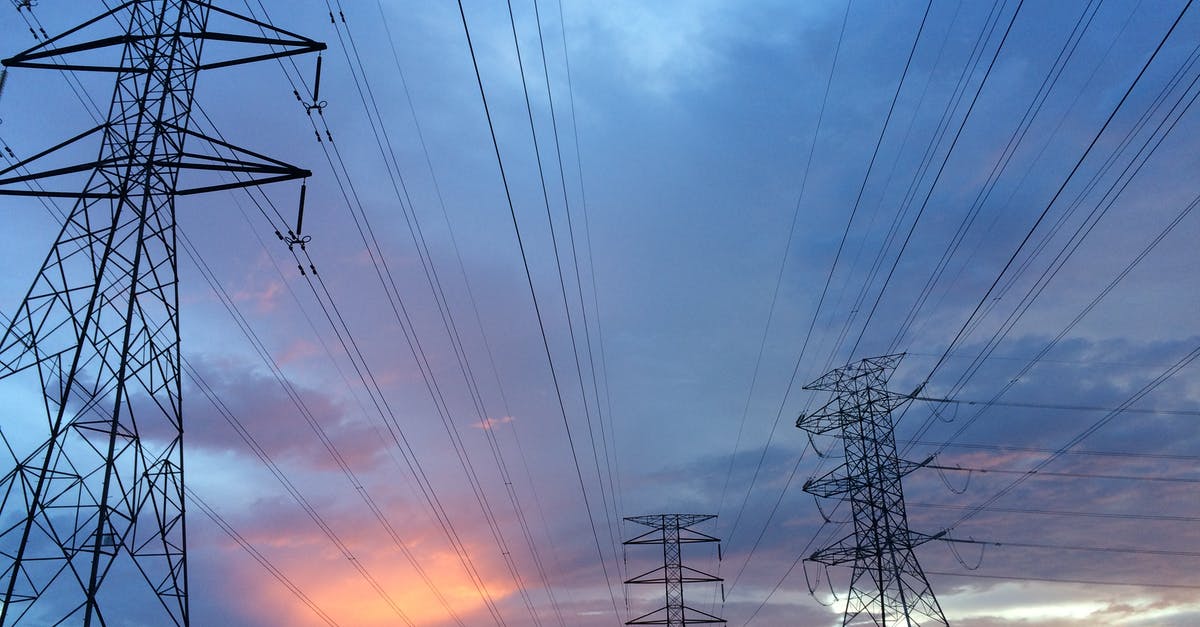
column 812, row 587
column 813, row 444
column 825, row 517
column 941, row 414
column 946, row 481
column 958, row 558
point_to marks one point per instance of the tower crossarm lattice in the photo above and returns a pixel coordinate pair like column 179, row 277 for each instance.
column 673, row 531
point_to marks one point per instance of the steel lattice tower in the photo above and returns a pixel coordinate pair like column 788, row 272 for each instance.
column 672, row 531
column 887, row 585
column 92, row 526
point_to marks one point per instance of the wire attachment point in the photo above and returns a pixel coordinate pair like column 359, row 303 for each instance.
column 297, row 237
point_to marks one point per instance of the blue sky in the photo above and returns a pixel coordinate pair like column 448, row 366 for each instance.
column 695, row 122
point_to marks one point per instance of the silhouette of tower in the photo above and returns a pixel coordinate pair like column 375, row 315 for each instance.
column 673, row 531
column 92, row 526
column 887, row 585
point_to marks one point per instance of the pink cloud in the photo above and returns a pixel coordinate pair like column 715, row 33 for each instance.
column 492, row 423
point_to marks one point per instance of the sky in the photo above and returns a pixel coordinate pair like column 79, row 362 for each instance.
column 724, row 201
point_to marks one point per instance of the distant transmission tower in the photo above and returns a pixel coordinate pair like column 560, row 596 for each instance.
column 887, row 585
column 92, row 527
column 672, row 531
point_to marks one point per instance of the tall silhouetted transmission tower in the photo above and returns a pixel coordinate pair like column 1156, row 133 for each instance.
column 887, row 585
column 673, row 531
column 92, row 527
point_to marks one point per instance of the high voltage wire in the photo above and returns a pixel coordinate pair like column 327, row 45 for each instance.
column 1095, row 139
column 803, row 554
column 583, row 205
column 1062, row 513
column 263, row 560
column 1071, row 547
column 829, row 277
column 953, row 103
column 1089, row 582
column 309, row 417
column 1065, row 55
column 414, row 466
column 537, row 308
column 1038, row 468
column 1068, row 177
column 952, row 347
column 1001, row 166
column 1037, row 472
column 608, row 455
column 486, row 342
column 419, row 354
column 415, row 563
column 994, row 342
column 471, row 384
column 996, row 403
column 958, row 94
column 941, row 169
column 332, row 312
column 762, row 344
column 832, row 268
column 783, row 261
column 435, row 284
column 282, row 477
column 1030, row 449
column 587, row 237
column 604, row 498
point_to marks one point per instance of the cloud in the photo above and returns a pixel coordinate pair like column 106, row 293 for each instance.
column 277, row 420
column 492, row 423
column 664, row 48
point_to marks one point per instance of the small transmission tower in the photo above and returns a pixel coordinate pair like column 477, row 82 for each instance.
column 92, row 527
column 672, row 531
column 887, row 585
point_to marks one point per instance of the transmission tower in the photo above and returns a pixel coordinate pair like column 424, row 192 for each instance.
column 92, row 526
column 887, row 585
column 673, row 531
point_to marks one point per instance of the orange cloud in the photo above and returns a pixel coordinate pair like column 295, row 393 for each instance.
column 332, row 583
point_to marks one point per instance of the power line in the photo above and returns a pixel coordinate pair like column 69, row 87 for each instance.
column 253, row 552
column 383, row 142
column 782, row 265
column 1092, row 144
column 536, row 306
column 1037, row 472
column 1089, row 582
column 966, row 117
column 1032, row 449
column 1131, row 410
column 832, row 268
column 1063, row 513
column 941, row 169
column 613, row 483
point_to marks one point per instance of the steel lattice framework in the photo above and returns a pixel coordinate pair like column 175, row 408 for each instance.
column 887, row 585
column 672, row 531
column 92, row 526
